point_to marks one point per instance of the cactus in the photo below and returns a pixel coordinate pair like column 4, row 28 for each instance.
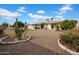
column 19, row 30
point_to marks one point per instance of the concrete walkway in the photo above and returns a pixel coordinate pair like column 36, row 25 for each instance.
column 43, row 42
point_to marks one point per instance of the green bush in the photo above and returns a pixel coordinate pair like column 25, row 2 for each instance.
column 68, row 24
column 57, row 27
column 71, row 39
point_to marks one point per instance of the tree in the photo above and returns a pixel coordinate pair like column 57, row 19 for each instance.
column 5, row 25
column 74, row 22
column 68, row 24
column 20, row 24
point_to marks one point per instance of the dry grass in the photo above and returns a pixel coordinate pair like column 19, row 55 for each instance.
column 9, row 31
column 71, row 39
column 13, row 31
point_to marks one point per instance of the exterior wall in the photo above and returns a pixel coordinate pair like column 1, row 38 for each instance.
column 34, row 26
column 54, row 28
column 30, row 27
column 49, row 26
column 77, row 26
column 45, row 26
column 38, row 26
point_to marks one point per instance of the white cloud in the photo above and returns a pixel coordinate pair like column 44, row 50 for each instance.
column 7, row 13
column 22, row 9
column 17, row 13
column 59, row 18
column 36, row 16
column 8, row 18
column 61, row 12
column 46, row 17
column 65, row 9
column 41, row 12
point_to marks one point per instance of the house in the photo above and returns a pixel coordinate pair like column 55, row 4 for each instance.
column 77, row 25
column 51, row 25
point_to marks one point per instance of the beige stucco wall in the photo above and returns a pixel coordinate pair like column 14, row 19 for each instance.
column 77, row 26
column 46, row 26
column 30, row 27
column 49, row 26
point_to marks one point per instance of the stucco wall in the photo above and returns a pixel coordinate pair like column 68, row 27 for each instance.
column 30, row 27
column 46, row 26
column 49, row 26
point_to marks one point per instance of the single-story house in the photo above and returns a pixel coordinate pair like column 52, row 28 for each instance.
column 45, row 25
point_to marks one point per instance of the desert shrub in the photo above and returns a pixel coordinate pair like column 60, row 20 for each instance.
column 5, row 25
column 71, row 39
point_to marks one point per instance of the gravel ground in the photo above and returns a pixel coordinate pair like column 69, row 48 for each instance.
column 3, row 35
column 9, row 39
column 43, row 42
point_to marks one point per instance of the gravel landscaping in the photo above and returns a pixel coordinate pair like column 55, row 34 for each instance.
column 3, row 35
column 43, row 42
column 8, row 39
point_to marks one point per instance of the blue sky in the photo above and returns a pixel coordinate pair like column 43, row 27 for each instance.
column 32, row 13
